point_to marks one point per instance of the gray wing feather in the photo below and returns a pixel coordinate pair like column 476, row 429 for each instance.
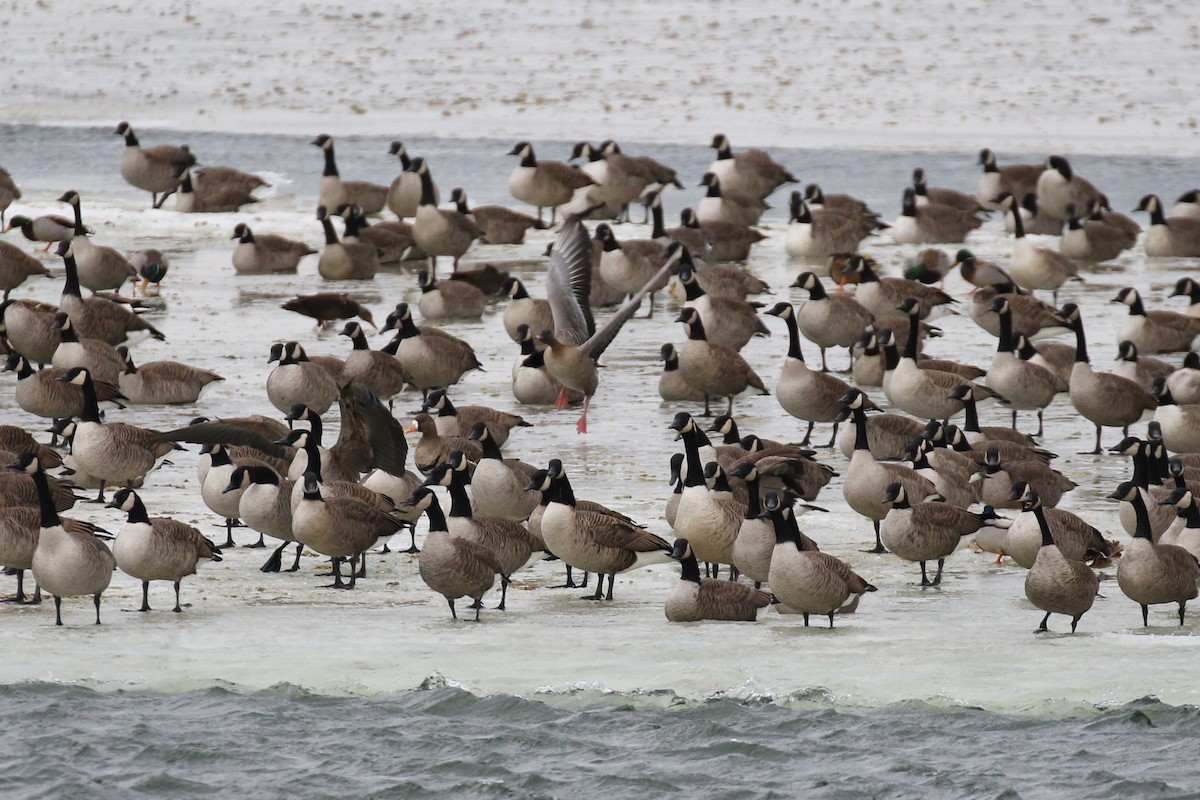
column 569, row 283
column 599, row 341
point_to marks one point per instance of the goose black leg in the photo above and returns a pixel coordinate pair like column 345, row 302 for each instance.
column 878, row 548
column 177, row 609
column 1043, row 628
column 145, row 596
column 96, row 601
column 296, row 564
column 503, row 592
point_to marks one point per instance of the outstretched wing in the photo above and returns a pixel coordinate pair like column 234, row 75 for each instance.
column 599, row 341
column 569, row 283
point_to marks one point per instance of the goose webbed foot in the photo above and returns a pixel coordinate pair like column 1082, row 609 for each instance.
column 258, row 544
column 878, row 548
column 275, row 562
column 1043, row 627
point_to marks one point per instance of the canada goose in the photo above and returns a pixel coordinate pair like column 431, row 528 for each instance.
column 158, row 549
column 888, row 436
column 163, row 382
column 522, row 309
column 432, row 358
column 671, row 385
column 807, row 581
column 619, row 179
column 497, row 224
column 1058, row 358
column 751, row 171
column 817, row 234
column 448, row 299
column 975, row 436
column 951, row 476
column 299, row 381
column 1145, row 478
column 451, row 566
column 1035, row 221
column 151, row 266
column 590, row 540
column 65, row 562
column 16, row 439
column 215, row 470
column 1035, row 267
column 154, row 169
column 661, row 175
column 266, row 253
column 628, row 266
column 18, row 539
column 1184, row 382
column 866, row 477
column 1031, row 317
column 499, row 484
column 891, row 359
column 715, row 240
column 996, row 484
column 544, row 184
column 369, row 437
column 8, row 192
column 459, row 420
column 1189, row 288
column 99, row 317
column 804, row 393
column 1025, row 385
column 1091, row 241
column 574, row 345
column 698, row 240
column 228, row 176
column 15, row 266
column 945, row 197
column 932, row 223
column 829, row 320
column 98, row 357
column 925, row 531
column 1058, row 186
column 709, row 516
column 727, row 321
column 210, row 198
column 99, row 268
column 977, row 272
column 1097, row 210
column 694, row 598
column 867, row 369
column 817, row 200
column 881, row 296
column 345, row 260
column 728, row 205
column 1169, row 236
column 325, row 307
column 1184, row 501
column 1149, row 573
column 532, row 383
column 404, row 195
column 370, row 197
column 756, row 537
column 48, row 228
column 1017, row 179
column 714, row 369
column 266, row 506
column 339, row 527
column 434, row 448
column 1180, row 424
column 1056, row 584
column 42, row 394
column 437, row 231
column 377, row 372
column 1141, row 369
column 21, row 490
column 392, row 245
column 1186, row 205
column 1075, row 539
column 1156, row 331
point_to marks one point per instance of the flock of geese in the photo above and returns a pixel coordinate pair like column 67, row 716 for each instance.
column 925, row 473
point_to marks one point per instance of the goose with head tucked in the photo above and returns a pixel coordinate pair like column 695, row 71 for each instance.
column 1093, row 241
column 1058, row 186
column 1016, row 179
column 942, row 196
column 210, row 197
column 1156, row 331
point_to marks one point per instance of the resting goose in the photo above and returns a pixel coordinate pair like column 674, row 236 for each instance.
column 373, row 370
column 370, row 197
column 1075, row 539
column 532, row 312
column 818, row 234
column 392, row 245
column 619, row 179
column 544, row 184
column 1169, row 237
column 266, row 253
column 1035, row 221
column 727, row 321
column 1156, row 331
column 714, row 240
column 99, row 358
column 1058, row 186
column 455, row 420
column 432, row 358
column 153, row 169
column 210, row 198
column 1184, row 382
column 1189, row 288
column 695, row 598
column 15, row 266
column 751, row 171
column 499, row 485
column 1141, row 369
column 882, row 296
column 41, row 393
column 1180, row 423
column 1017, row 179
column 1056, row 584
column 163, row 382
column 728, row 205
column 932, row 223
column 946, row 197
column 345, row 261
column 1093, row 241
column 447, row 299
column 1031, row 317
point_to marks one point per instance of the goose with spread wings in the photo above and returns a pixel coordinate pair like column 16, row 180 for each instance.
column 574, row 346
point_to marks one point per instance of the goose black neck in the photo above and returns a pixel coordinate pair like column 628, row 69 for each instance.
column 753, row 501
column 659, row 231
column 908, row 207
column 405, row 161
column 130, row 138
column 23, row 368
column 536, row 359
column 1141, row 470
column 914, row 335
column 1136, row 308
column 353, row 225
column 437, row 520
column 721, row 482
column 331, row 236
column 330, row 163
column 49, row 514
column 78, row 208
column 394, row 345
column 671, row 364
column 891, row 356
column 490, row 448
column 1157, row 217
column 564, row 494
column 91, row 406
column 730, row 436
column 695, row 330
column 519, row 291
column 691, row 449
column 1191, row 515
column 714, row 189
column 783, row 531
column 138, row 514
column 67, row 334
column 360, row 341
column 971, row 420
column 818, row 290
column 690, row 568
column 1142, row 530
column 461, row 204
column 427, row 198
column 691, row 286
column 185, row 184
column 315, row 429
column 71, row 287
column 460, row 501
column 1040, row 513
column 866, row 274
column 312, row 450
column 1018, row 223
column 794, row 350
column 860, row 429
column 1005, row 344
column 1081, row 353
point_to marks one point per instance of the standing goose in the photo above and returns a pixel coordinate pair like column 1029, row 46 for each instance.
column 711, row 368
column 1104, row 399
column 881, row 296
column 1156, row 331
column 628, row 266
column 404, row 195
column 755, row 541
column 804, row 393
column 1075, row 539
column 973, row 434
column 455, row 420
column 945, row 197
column 751, row 171
column 593, row 541
column 708, row 516
column 544, row 184
column 1093, row 241
column 163, row 382
column 619, row 179
column 532, row 383
column 998, row 479
column 1149, row 573
column 15, row 266
column 574, row 346
column 660, row 174
column 451, row 566
column 345, row 261
column 373, row 370
column 497, row 224
column 1185, row 504
column 158, row 549
column 728, row 205
column 42, row 394
column 266, row 253
column 932, row 223
column 925, row 531
column 370, row 197
column 1169, row 237
column 96, row 356
column 214, row 483
column 1141, row 369
column 1180, row 424
column 694, row 598
column 1035, row 267
column 1016, row 179
column 299, row 381
column 829, row 320
column 210, row 197
column 866, row 479
column 807, row 581
column 1056, row 584
column 65, row 562
column 447, row 299
column 727, row 320
column 339, row 527
column 266, row 506
column 818, row 234
column 100, row 268
column 8, row 192
column 1025, row 385
column 432, row 358
column 153, row 169
column 98, row 317
column 438, row 231
column 1145, row 478
column 532, row 312
column 671, row 385
column 499, row 484
column 1058, row 186
column 715, row 240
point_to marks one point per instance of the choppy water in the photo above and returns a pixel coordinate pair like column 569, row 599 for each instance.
column 440, row 741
